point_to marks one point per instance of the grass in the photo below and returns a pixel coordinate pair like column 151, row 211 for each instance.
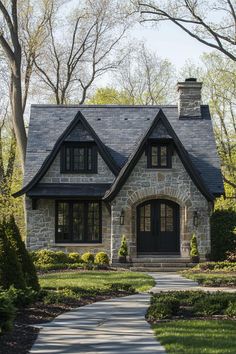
column 96, row 280
column 197, row 336
column 212, row 279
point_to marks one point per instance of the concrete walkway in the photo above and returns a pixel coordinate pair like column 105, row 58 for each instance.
column 109, row 327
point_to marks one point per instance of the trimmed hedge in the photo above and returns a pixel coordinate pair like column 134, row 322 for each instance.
column 101, row 258
column 7, row 313
column 223, row 234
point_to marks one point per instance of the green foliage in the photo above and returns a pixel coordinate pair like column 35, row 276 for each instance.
column 87, row 257
column 42, row 257
column 231, row 309
column 21, row 297
column 73, row 257
column 196, row 303
column 7, row 313
column 123, row 251
column 212, row 279
column 102, row 258
column 163, row 307
column 214, row 266
column 223, row 234
column 27, row 265
column 116, row 287
column 10, row 269
column 109, row 95
column 194, row 254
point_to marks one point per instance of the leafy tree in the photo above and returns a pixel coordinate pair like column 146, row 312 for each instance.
column 28, row 268
column 109, row 95
column 10, row 269
column 209, row 22
column 223, row 234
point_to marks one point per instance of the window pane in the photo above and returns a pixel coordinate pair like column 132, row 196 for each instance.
column 169, row 211
column 63, row 221
column 93, row 221
column 147, row 224
column 78, row 222
column 163, row 152
column 147, row 210
column 89, row 157
column 81, row 152
column 154, row 156
column 67, row 157
column 76, row 159
column 163, row 210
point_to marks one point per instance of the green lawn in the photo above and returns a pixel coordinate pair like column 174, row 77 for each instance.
column 96, row 280
column 197, row 336
column 212, row 279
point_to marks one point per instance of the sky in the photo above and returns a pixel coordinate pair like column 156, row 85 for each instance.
column 170, row 42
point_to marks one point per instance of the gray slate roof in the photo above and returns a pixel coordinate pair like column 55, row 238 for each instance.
column 120, row 128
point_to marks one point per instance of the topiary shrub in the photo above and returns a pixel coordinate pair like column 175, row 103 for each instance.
column 10, row 269
column 163, row 307
column 102, row 258
column 42, row 257
column 27, row 265
column 73, row 257
column 223, row 234
column 194, row 254
column 7, row 313
column 87, row 257
column 123, row 251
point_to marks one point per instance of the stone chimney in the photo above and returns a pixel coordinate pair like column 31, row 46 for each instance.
column 189, row 101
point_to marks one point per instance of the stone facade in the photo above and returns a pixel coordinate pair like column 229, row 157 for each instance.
column 172, row 184
column 41, row 230
column 53, row 175
column 143, row 184
column 189, row 103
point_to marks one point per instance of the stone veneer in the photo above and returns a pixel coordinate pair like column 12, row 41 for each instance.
column 173, row 184
column 143, row 184
column 53, row 175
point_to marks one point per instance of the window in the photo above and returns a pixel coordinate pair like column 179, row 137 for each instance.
column 145, row 218
column 166, row 218
column 78, row 222
column 159, row 156
column 79, row 158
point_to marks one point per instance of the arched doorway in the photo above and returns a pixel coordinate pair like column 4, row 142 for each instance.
column 158, row 227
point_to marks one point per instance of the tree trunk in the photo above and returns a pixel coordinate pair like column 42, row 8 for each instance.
column 17, row 110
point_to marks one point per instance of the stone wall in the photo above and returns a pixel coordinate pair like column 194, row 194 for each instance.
column 41, row 229
column 173, row 184
column 41, row 222
column 53, row 175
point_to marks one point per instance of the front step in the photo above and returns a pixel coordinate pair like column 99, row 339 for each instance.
column 157, row 264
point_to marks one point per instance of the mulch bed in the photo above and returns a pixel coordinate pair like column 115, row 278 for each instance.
column 24, row 334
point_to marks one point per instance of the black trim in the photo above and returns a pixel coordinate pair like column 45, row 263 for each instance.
column 48, row 161
column 128, row 167
column 68, row 190
column 159, row 144
column 85, row 221
column 86, row 146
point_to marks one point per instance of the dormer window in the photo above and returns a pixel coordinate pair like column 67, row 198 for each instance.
column 79, row 158
column 159, row 155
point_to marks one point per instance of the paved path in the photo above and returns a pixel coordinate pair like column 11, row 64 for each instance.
column 109, row 327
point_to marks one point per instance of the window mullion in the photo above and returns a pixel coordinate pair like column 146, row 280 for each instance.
column 85, row 221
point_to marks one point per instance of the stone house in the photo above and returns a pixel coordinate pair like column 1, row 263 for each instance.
column 95, row 173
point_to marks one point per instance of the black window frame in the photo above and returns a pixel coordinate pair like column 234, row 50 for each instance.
column 159, row 145
column 86, row 147
column 85, row 222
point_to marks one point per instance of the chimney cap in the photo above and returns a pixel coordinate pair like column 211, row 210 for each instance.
column 193, row 79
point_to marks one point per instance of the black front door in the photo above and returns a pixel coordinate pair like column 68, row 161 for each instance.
column 158, row 227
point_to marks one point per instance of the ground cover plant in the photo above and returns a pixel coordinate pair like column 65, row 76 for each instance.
column 181, row 319
column 213, row 274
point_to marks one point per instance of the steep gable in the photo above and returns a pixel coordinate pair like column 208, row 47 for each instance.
column 78, row 131
column 159, row 128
